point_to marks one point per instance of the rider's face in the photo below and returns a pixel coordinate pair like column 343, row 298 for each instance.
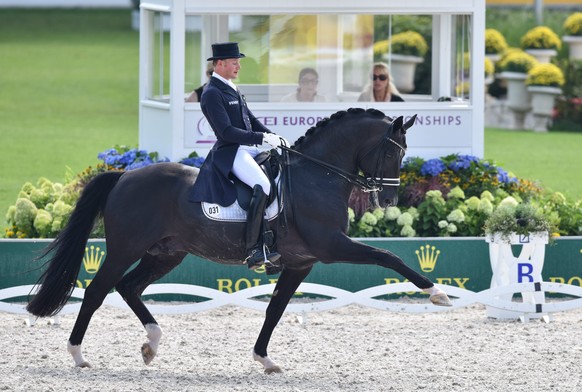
column 228, row 68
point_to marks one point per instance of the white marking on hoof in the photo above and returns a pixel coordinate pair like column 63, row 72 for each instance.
column 150, row 348
column 441, row 299
column 438, row 297
column 268, row 364
column 75, row 351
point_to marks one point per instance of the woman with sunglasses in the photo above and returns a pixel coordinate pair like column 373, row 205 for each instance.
column 380, row 88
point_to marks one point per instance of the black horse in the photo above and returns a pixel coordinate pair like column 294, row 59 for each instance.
column 147, row 216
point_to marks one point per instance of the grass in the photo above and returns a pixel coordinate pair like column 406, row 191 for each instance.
column 550, row 158
column 68, row 90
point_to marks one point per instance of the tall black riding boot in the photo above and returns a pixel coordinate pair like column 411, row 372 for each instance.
column 254, row 231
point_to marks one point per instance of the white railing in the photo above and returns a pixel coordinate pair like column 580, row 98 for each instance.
column 335, row 298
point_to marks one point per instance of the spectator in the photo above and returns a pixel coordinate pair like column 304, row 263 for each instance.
column 307, row 90
column 380, row 88
column 196, row 94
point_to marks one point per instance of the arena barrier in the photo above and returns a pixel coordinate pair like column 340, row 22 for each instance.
column 460, row 266
column 337, row 298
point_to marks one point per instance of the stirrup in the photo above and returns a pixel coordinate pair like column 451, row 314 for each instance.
column 268, row 259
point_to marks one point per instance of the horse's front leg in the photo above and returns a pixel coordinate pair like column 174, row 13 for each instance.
column 343, row 249
column 286, row 286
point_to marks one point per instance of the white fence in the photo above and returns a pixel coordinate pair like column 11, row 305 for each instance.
column 338, row 298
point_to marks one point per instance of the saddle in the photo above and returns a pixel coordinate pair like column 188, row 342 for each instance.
column 270, row 162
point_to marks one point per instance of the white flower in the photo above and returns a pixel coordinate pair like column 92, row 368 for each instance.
column 473, row 203
column 407, row 231
column 442, row 224
column 456, row 215
column 392, row 213
column 405, row 219
column 509, row 201
column 486, row 206
column 378, row 213
column 452, row 228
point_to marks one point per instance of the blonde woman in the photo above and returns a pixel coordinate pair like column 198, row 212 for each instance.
column 380, row 88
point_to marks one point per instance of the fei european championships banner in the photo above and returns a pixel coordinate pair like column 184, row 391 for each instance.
column 460, row 262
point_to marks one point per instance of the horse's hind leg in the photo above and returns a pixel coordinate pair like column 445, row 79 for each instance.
column 131, row 287
column 108, row 275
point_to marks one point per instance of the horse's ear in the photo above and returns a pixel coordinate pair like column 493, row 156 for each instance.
column 397, row 123
column 408, row 123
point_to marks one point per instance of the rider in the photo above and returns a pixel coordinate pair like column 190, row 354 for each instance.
column 238, row 134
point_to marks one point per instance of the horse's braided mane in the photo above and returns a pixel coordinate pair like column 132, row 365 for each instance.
column 323, row 122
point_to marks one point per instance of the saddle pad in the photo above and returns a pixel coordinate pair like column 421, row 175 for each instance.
column 235, row 213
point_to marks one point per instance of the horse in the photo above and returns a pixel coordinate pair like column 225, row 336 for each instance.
column 147, row 217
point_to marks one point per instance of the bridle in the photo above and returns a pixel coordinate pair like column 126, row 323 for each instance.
column 374, row 183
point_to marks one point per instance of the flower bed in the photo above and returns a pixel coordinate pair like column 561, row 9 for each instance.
column 454, row 196
column 448, row 196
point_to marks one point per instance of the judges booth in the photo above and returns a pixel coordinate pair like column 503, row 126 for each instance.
column 340, row 39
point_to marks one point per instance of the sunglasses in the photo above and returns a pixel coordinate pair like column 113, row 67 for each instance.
column 381, row 77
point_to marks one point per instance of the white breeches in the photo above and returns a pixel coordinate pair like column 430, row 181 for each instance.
column 247, row 170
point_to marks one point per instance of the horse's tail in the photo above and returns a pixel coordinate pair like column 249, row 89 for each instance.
column 58, row 280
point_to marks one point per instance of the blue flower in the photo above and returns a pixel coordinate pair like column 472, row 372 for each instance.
column 503, row 177
column 194, row 161
column 432, row 167
column 139, row 164
column 463, row 162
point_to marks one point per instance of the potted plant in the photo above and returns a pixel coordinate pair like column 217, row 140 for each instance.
column 573, row 30
column 495, row 44
column 405, row 51
column 543, row 83
column 514, row 223
column 514, row 66
column 542, row 43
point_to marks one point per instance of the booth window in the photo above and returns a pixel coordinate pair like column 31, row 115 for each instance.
column 159, row 61
column 342, row 48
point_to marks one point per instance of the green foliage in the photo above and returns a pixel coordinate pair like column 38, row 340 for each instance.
column 519, row 218
column 569, row 104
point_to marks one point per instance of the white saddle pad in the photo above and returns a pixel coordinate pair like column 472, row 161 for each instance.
column 235, row 213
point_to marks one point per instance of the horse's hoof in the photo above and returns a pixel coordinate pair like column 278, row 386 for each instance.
column 441, row 299
column 85, row 364
column 274, row 369
column 147, row 353
column 268, row 364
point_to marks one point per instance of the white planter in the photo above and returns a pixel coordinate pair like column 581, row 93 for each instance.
column 508, row 269
column 518, row 98
column 493, row 57
column 403, row 69
column 544, row 56
column 542, row 101
column 575, row 45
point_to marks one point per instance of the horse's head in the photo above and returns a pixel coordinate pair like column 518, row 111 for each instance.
column 382, row 162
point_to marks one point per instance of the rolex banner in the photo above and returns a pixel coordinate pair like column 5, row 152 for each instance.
column 460, row 262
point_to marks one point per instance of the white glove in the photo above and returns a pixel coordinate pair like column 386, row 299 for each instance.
column 274, row 140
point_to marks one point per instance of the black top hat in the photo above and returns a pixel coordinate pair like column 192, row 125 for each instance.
column 227, row 50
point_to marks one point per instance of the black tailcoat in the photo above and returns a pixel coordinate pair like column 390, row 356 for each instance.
column 234, row 125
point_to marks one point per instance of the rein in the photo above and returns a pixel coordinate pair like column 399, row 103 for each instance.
column 367, row 184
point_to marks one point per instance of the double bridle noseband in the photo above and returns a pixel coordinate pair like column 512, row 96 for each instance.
column 374, row 183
